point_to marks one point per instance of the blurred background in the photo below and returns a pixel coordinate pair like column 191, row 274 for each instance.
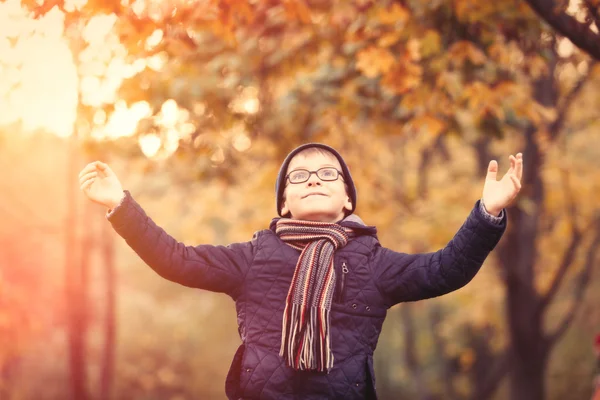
column 195, row 103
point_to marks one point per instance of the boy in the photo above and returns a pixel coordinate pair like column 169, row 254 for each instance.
column 312, row 291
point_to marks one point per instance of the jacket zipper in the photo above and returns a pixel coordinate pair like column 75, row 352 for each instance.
column 344, row 273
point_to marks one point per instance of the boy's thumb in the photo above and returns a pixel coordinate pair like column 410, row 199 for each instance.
column 492, row 170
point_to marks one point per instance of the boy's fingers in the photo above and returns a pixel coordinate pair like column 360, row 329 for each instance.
column 86, row 185
column 516, row 182
column 89, row 167
column 85, row 170
column 513, row 163
column 105, row 169
column 88, row 176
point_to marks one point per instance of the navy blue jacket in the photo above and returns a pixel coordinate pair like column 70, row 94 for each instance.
column 257, row 275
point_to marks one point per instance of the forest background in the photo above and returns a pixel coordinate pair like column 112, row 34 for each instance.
column 195, row 103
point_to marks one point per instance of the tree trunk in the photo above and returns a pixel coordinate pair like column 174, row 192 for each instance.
column 108, row 357
column 410, row 351
column 75, row 274
column 517, row 255
column 527, row 376
column 450, row 368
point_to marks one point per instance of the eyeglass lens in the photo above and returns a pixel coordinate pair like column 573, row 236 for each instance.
column 325, row 174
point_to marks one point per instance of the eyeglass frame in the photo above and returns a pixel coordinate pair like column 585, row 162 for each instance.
column 339, row 174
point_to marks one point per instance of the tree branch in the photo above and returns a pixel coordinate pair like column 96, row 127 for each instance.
column 585, row 124
column 578, row 33
column 593, row 12
column 425, row 165
column 566, row 262
column 569, row 254
column 565, row 104
column 582, row 282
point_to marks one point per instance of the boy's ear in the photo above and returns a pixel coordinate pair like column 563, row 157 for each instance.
column 284, row 208
column 348, row 204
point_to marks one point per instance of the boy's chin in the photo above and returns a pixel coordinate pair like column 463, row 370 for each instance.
column 317, row 215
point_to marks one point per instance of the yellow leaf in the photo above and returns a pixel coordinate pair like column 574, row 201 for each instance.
column 430, row 43
column 537, row 67
column 393, row 15
column 403, row 77
column 296, row 9
column 413, row 50
column 428, row 124
column 465, row 51
column 478, row 95
column 389, row 39
column 499, row 53
column 374, row 61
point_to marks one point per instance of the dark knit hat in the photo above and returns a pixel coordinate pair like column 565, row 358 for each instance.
column 280, row 184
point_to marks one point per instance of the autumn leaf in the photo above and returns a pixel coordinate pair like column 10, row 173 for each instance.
column 396, row 14
column 413, row 50
column 374, row 61
column 389, row 39
column 430, row 43
column 296, row 9
column 403, row 77
column 537, row 67
column 428, row 124
column 463, row 51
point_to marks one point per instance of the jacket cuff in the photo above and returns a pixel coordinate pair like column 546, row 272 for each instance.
column 492, row 218
column 112, row 212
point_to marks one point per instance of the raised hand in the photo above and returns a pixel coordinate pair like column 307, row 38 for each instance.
column 498, row 194
column 100, row 184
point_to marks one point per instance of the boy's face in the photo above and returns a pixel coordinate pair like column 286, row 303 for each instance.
column 315, row 200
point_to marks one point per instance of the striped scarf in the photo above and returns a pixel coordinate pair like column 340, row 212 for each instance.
column 305, row 339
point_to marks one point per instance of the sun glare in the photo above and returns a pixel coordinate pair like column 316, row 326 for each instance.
column 41, row 82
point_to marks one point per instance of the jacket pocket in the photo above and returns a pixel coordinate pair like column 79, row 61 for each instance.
column 232, row 382
column 371, row 391
column 342, row 277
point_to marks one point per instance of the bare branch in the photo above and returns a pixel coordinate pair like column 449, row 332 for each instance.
column 582, row 282
column 582, row 125
column 425, row 164
column 593, row 12
column 568, row 100
column 566, row 262
column 578, row 33
column 569, row 254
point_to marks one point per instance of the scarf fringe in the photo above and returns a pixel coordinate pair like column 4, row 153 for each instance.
column 306, row 347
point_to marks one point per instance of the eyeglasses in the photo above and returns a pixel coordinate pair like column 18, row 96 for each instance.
column 325, row 174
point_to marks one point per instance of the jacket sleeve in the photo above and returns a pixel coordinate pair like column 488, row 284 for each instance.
column 409, row 277
column 214, row 268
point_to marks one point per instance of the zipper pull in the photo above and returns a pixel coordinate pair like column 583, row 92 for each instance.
column 344, row 273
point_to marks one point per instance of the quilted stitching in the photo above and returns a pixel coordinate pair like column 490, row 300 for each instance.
column 257, row 275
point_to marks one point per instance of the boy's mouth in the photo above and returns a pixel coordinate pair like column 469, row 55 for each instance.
column 314, row 194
